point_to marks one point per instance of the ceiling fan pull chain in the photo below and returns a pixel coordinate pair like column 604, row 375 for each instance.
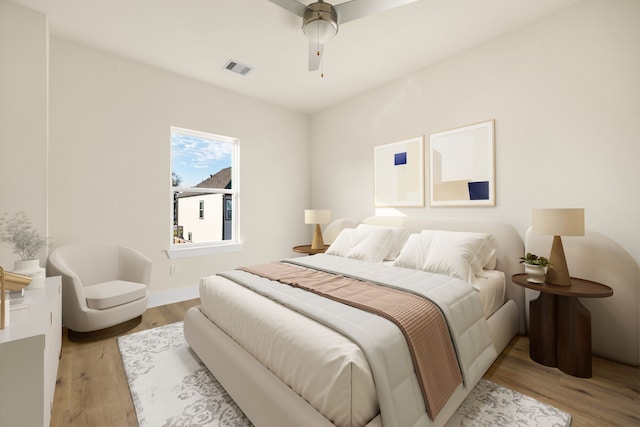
column 318, row 53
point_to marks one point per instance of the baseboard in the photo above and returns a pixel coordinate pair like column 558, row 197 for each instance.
column 173, row 295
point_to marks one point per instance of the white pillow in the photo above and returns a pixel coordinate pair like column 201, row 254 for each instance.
column 399, row 237
column 486, row 256
column 491, row 264
column 413, row 253
column 455, row 254
column 364, row 244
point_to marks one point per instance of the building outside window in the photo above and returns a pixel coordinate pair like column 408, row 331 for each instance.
column 204, row 172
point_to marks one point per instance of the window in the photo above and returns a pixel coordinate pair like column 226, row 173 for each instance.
column 228, row 209
column 204, row 172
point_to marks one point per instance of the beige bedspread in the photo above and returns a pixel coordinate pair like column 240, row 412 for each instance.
column 387, row 354
column 321, row 365
column 419, row 319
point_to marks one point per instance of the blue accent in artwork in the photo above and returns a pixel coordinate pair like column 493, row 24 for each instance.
column 478, row 190
column 400, row 159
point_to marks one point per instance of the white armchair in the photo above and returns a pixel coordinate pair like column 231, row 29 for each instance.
column 104, row 288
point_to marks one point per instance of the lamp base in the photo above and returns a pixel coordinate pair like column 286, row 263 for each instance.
column 317, row 242
column 558, row 272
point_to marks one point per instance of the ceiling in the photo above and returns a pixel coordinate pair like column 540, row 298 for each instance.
column 195, row 38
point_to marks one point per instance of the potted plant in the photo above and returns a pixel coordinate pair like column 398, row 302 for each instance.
column 18, row 233
column 534, row 266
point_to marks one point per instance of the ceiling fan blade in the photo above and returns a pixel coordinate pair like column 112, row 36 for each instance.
column 292, row 6
column 315, row 56
column 355, row 9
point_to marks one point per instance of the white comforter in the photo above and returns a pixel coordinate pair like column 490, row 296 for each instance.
column 386, row 351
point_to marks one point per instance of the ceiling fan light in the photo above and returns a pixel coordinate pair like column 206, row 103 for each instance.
column 320, row 22
column 320, row 31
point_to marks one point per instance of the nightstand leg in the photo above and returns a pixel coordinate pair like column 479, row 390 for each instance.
column 574, row 337
column 542, row 330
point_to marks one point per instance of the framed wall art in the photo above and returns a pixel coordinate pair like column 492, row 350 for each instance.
column 462, row 166
column 399, row 173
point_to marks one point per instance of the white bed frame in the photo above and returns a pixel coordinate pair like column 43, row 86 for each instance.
column 268, row 402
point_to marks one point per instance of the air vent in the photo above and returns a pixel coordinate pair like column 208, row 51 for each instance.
column 238, row 68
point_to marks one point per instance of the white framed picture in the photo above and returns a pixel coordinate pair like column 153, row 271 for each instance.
column 462, row 166
column 399, row 173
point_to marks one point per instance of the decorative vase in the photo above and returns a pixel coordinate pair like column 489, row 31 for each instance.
column 536, row 273
column 31, row 268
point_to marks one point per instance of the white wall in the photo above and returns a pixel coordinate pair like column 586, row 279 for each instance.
column 564, row 93
column 565, row 96
column 110, row 162
column 23, row 118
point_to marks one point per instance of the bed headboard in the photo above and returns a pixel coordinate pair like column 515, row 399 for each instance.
column 615, row 329
column 511, row 246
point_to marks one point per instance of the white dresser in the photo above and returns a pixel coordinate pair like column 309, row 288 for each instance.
column 29, row 353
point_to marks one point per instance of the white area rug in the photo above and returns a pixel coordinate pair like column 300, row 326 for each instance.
column 490, row 405
column 171, row 387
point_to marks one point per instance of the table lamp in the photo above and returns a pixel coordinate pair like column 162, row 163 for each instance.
column 9, row 282
column 558, row 222
column 317, row 217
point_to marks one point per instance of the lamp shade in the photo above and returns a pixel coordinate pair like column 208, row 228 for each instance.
column 317, row 216
column 558, row 222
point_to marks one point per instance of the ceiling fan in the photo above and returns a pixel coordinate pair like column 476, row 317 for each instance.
column 320, row 20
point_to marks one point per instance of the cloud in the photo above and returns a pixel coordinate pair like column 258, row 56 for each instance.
column 199, row 152
column 191, row 153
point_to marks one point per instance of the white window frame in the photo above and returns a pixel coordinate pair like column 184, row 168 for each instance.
column 185, row 250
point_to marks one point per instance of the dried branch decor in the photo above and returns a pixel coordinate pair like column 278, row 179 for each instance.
column 18, row 233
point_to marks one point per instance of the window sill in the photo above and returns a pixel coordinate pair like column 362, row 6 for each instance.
column 193, row 250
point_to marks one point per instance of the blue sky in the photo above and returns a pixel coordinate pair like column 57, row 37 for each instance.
column 194, row 159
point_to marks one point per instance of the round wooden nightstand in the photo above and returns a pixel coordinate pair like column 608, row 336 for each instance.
column 560, row 326
column 306, row 249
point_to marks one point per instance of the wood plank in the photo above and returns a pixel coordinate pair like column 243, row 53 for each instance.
column 611, row 397
column 92, row 389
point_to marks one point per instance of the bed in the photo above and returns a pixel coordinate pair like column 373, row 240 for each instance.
column 271, row 359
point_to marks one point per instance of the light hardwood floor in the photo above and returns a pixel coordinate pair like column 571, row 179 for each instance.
column 92, row 388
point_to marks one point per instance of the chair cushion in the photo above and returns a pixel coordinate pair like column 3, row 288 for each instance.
column 113, row 293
